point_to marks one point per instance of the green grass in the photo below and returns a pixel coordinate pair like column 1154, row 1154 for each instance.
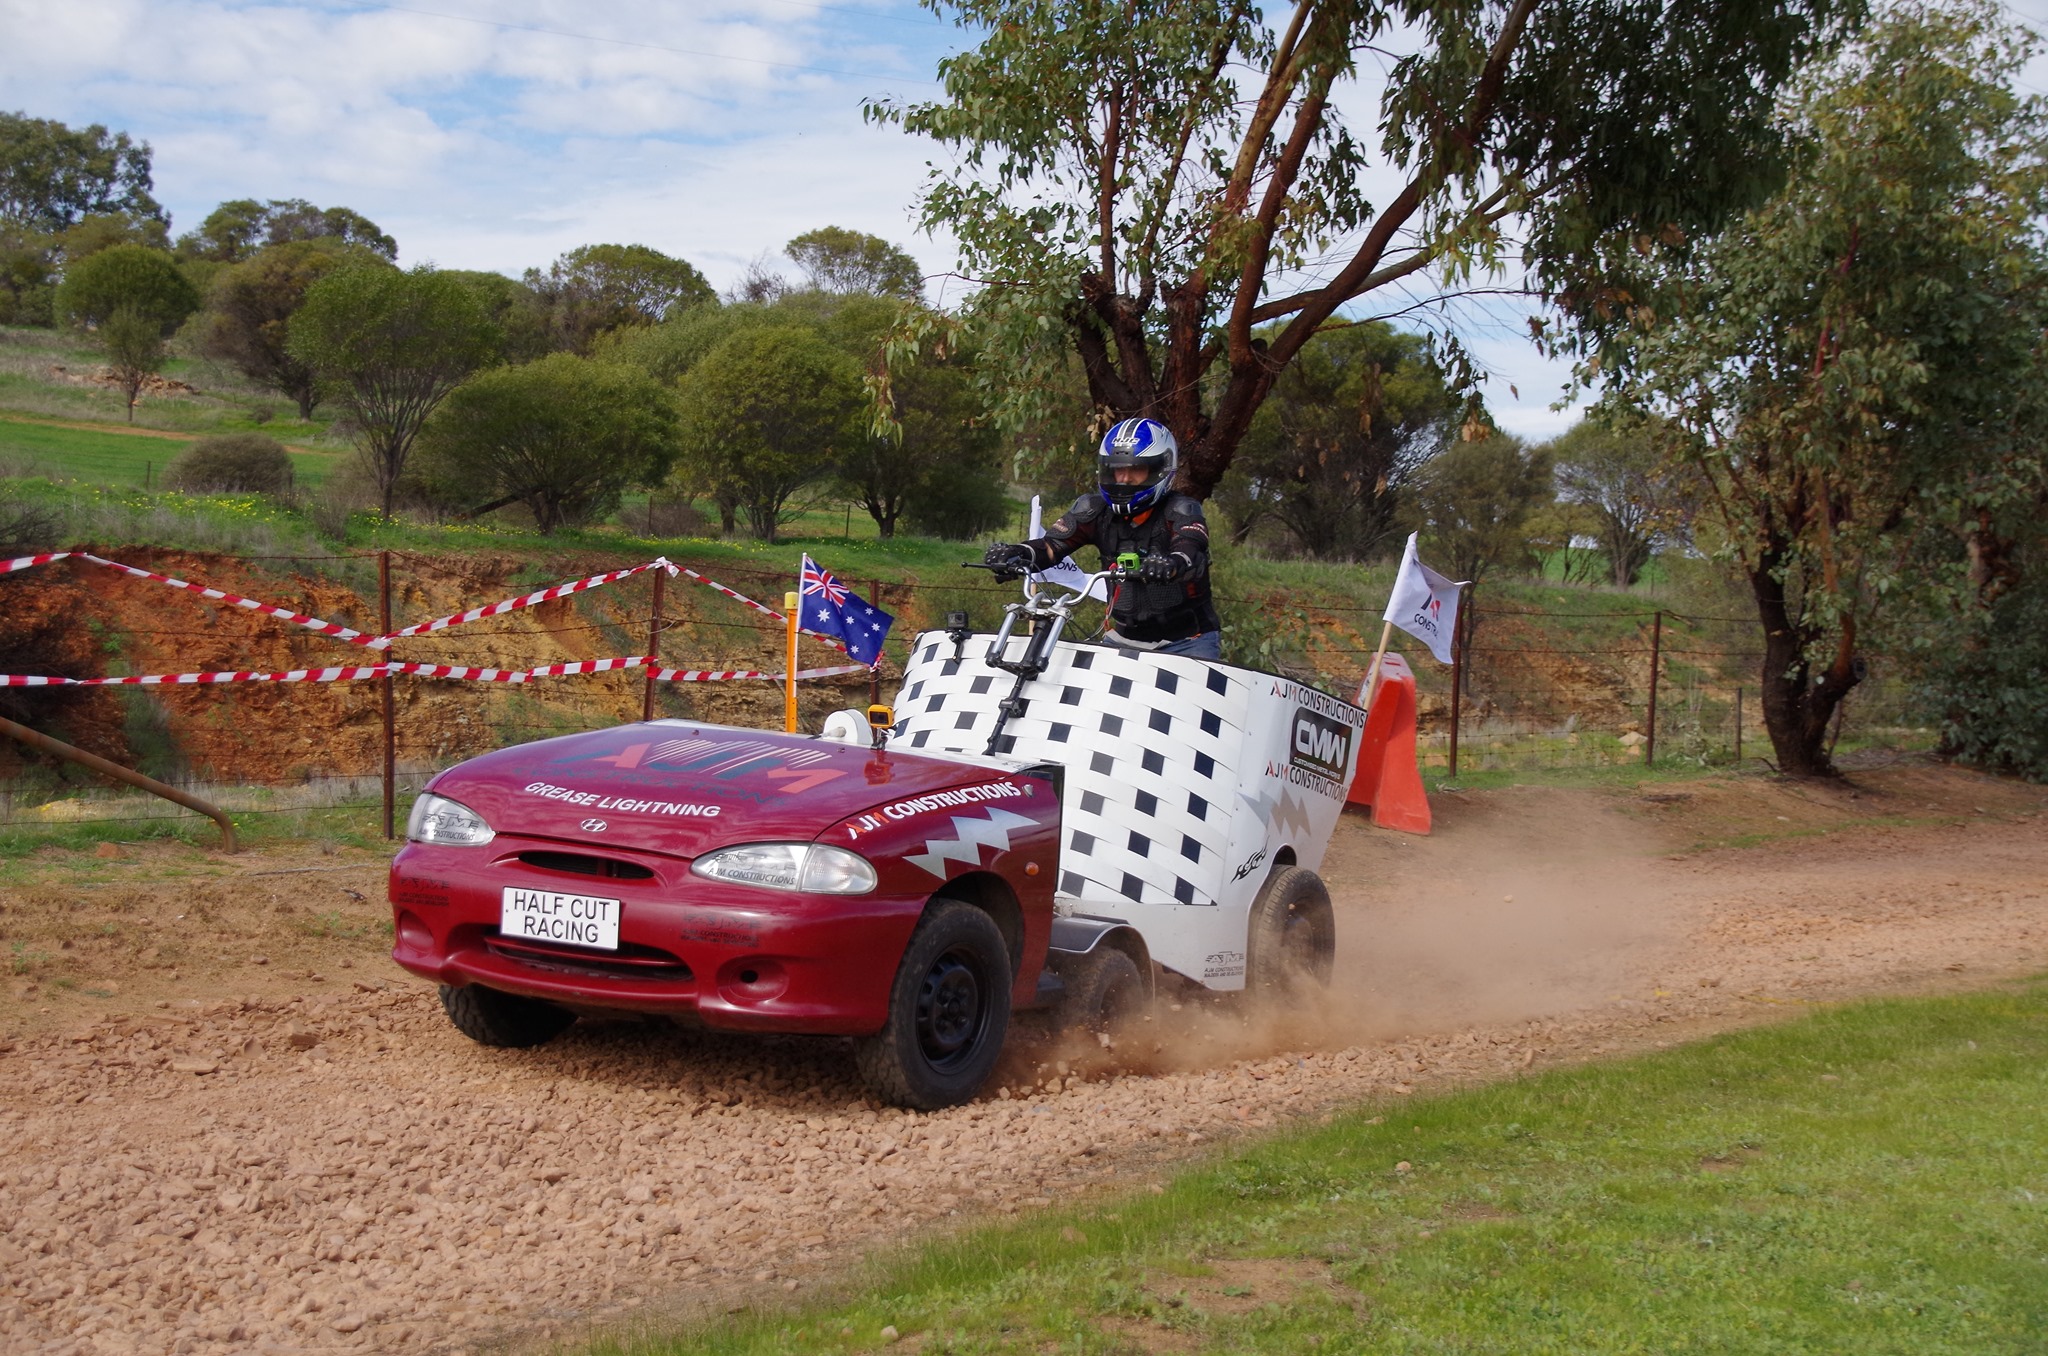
column 1870, row 1179
column 115, row 458
column 221, row 403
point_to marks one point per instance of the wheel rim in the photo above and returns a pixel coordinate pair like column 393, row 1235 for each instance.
column 952, row 1011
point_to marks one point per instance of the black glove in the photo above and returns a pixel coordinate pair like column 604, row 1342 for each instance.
column 1009, row 559
column 1159, row 569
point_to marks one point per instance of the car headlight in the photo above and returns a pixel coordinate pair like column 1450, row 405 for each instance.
column 439, row 820
column 810, row 867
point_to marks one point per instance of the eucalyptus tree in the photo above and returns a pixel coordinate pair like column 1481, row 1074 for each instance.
column 390, row 345
column 1177, row 192
column 1856, row 369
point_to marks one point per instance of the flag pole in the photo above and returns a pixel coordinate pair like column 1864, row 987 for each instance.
column 1372, row 675
column 790, row 603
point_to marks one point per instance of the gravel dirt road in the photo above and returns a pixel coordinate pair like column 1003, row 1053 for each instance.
column 228, row 1125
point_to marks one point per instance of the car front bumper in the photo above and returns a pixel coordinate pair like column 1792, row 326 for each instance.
column 729, row 956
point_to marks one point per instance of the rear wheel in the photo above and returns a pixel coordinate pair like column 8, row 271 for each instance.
column 1104, row 991
column 490, row 1017
column 1292, row 941
column 949, row 1011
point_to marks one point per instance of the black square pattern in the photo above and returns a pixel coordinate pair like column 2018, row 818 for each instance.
column 1217, row 682
column 1119, row 687
column 1155, row 762
column 1091, row 802
column 1190, row 848
column 1058, row 734
column 1166, row 680
column 1161, row 721
column 1112, row 725
column 1103, row 764
column 1212, row 724
column 1148, row 804
column 1083, row 843
column 1139, row 844
column 981, row 684
column 1197, row 807
column 1132, row 888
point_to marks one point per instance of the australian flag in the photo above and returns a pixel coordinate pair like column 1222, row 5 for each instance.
column 831, row 609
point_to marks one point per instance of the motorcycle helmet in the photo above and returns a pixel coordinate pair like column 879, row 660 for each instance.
column 1147, row 445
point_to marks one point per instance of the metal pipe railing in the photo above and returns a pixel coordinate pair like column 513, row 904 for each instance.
column 37, row 739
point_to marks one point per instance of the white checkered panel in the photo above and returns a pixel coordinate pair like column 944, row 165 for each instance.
column 1175, row 785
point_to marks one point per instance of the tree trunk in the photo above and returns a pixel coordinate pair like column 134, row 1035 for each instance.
column 307, row 397
column 1797, row 706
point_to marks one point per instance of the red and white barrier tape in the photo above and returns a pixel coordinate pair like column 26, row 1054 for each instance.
column 336, row 674
column 726, row 675
column 514, row 604
column 339, row 632
column 325, row 628
column 349, row 673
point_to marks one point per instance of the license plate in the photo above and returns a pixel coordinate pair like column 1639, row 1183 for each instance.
column 569, row 920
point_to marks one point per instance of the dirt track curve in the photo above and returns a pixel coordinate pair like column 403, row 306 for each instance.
column 207, row 1149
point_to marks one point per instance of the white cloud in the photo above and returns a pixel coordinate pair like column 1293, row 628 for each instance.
column 712, row 129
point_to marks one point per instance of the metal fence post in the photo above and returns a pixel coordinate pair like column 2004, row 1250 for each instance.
column 653, row 643
column 390, row 705
column 1656, row 655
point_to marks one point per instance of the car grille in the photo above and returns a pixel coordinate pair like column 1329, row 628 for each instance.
column 583, row 864
column 630, row 961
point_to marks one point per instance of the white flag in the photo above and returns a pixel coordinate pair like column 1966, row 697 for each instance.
column 1065, row 573
column 1424, row 604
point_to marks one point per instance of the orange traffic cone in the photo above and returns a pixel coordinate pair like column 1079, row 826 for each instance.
column 1388, row 778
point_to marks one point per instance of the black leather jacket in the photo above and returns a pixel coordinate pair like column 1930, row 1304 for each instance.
column 1174, row 610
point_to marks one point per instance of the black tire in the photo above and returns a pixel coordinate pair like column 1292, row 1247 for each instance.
column 1291, row 943
column 507, row 1020
column 949, row 1011
column 1104, row 991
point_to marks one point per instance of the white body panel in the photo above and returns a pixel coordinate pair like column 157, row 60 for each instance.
column 1184, row 779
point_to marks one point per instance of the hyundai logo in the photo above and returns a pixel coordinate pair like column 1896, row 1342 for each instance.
column 593, row 826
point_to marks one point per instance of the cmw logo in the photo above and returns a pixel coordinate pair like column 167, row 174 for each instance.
column 1320, row 744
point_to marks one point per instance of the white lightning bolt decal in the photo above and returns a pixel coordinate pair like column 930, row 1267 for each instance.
column 992, row 828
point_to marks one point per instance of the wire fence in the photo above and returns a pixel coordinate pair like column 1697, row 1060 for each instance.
column 1536, row 689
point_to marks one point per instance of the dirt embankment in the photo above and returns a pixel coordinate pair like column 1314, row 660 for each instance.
column 228, row 1125
column 76, row 619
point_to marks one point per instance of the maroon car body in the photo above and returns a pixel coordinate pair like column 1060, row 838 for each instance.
column 623, row 813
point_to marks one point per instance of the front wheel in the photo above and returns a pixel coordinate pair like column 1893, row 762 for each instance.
column 490, row 1017
column 949, row 1011
column 1292, row 939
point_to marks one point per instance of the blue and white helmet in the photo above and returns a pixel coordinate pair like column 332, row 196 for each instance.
column 1143, row 443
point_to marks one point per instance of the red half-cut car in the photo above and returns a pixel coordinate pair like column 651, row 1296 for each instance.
column 750, row 881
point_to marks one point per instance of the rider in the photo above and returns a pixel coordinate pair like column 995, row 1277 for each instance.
column 1167, row 608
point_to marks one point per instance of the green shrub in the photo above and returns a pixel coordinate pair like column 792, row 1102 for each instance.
column 1992, row 695
column 230, row 463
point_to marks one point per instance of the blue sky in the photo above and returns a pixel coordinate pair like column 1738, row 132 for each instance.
column 498, row 134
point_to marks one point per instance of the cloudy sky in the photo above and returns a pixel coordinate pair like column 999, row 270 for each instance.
column 498, row 133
